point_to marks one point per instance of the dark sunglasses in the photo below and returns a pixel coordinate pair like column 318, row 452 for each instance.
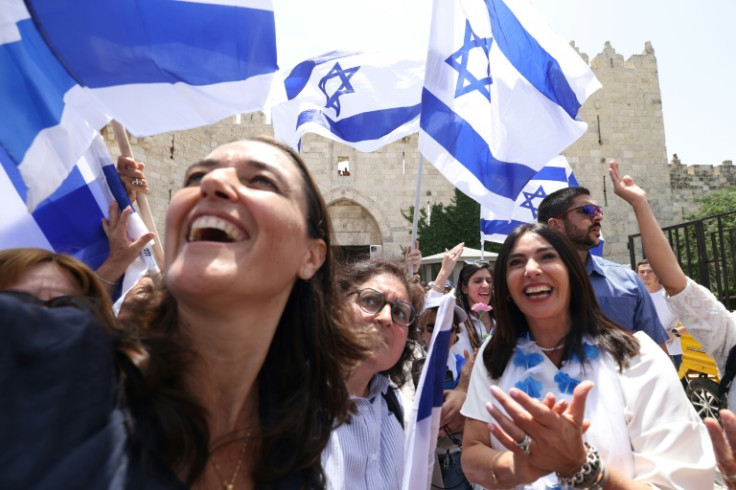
column 586, row 209
column 86, row 303
column 372, row 301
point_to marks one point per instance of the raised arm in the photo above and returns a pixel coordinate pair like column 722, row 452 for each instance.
column 656, row 247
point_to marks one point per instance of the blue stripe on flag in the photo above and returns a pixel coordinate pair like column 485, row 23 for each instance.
column 11, row 169
column 529, row 58
column 158, row 41
column 32, row 88
column 67, row 228
column 432, row 398
column 363, row 126
column 498, row 227
column 552, row 173
column 461, row 140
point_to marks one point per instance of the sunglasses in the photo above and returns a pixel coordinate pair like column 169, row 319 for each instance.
column 478, row 263
column 586, row 209
column 86, row 303
column 372, row 302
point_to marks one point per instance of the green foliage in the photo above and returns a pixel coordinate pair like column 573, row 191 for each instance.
column 718, row 202
column 449, row 225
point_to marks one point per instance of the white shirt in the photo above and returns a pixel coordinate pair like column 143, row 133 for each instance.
column 709, row 322
column 668, row 319
column 641, row 422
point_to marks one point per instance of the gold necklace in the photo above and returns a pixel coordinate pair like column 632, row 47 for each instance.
column 231, row 485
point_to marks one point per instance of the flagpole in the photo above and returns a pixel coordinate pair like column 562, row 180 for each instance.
column 145, row 211
column 415, row 222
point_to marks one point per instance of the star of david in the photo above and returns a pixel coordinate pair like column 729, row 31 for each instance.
column 333, row 101
column 528, row 202
column 459, row 61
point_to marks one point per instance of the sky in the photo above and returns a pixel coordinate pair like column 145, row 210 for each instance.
column 693, row 41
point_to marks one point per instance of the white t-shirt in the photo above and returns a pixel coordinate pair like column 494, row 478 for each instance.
column 668, row 319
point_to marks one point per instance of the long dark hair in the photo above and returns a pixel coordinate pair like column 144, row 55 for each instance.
column 350, row 275
column 301, row 385
column 463, row 279
column 586, row 316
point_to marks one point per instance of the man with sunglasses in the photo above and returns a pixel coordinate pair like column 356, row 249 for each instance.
column 618, row 289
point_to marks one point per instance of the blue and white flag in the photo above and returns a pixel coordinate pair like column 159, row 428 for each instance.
column 497, row 223
column 68, row 66
column 501, row 96
column 70, row 220
column 362, row 100
column 424, row 420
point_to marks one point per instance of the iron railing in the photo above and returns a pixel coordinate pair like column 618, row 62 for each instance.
column 706, row 251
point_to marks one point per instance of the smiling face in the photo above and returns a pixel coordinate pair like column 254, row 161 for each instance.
column 478, row 289
column 238, row 226
column 582, row 230
column 538, row 282
column 390, row 337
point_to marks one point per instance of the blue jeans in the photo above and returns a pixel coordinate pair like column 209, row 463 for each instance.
column 452, row 473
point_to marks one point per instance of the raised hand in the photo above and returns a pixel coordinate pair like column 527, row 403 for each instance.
column 132, row 176
column 624, row 186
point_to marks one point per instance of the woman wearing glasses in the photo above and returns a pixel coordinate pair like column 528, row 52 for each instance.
column 575, row 401
column 367, row 453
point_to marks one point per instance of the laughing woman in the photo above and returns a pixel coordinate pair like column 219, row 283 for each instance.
column 243, row 380
column 575, row 400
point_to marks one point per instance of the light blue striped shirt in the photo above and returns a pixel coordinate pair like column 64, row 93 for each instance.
column 367, row 453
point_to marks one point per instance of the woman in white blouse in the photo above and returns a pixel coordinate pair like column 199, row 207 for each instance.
column 706, row 319
column 575, row 400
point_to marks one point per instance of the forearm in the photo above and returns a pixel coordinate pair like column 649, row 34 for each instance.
column 658, row 250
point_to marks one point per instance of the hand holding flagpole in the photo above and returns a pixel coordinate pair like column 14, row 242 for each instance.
column 140, row 197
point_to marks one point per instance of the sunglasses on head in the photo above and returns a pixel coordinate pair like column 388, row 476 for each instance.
column 87, row 303
column 478, row 263
column 586, row 209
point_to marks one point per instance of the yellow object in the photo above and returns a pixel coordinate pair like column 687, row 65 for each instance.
column 695, row 362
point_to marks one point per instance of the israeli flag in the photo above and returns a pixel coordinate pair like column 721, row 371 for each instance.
column 500, row 99
column 364, row 100
column 496, row 223
column 68, row 66
column 424, row 420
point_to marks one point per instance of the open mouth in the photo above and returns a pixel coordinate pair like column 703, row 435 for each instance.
column 214, row 229
column 538, row 292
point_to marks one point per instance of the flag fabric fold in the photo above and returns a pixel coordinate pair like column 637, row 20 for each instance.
column 364, row 100
column 496, row 223
column 500, row 97
column 424, row 419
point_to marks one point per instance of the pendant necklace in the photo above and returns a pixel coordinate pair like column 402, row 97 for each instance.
column 231, row 485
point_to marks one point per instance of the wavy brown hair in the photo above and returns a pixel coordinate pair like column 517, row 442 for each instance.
column 350, row 275
column 301, row 384
column 586, row 316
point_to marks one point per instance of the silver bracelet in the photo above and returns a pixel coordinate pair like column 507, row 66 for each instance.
column 588, row 474
column 105, row 280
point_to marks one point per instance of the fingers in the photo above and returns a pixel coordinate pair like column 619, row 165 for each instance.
column 577, row 404
column 139, row 244
column 507, row 433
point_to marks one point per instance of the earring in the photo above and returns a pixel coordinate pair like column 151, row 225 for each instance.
column 306, row 274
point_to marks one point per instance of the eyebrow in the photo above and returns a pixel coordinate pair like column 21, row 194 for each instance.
column 537, row 251
column 211, row 163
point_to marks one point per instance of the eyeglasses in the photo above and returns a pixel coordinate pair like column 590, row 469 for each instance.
column 586, row 209
column 372, row 302
column 87, row 303
column 478, row 263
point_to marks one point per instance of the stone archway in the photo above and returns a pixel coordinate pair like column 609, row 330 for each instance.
column 353, row 224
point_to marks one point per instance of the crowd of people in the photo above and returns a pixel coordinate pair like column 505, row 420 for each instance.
column 255, row 360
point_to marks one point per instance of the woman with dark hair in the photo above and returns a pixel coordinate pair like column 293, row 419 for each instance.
column 474, row 287
column 368, row 452
column 579, row 402
column 243, row 380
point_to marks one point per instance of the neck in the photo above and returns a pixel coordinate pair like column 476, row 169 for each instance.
column 583, row 254
column 359, row 381
column 549, row 332
column 227, row 341
column 653, row 288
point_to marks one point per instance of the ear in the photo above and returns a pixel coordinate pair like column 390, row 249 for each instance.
column 554, row 223
column 313, row 259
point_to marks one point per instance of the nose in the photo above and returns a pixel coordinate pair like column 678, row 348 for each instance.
column 218, row 183
column 598, row 217
column 384, row 315
column 532, row 268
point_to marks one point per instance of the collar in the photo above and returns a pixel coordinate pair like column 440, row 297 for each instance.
column 592, row 265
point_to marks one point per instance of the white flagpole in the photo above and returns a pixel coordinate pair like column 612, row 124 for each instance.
column 415, row 223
